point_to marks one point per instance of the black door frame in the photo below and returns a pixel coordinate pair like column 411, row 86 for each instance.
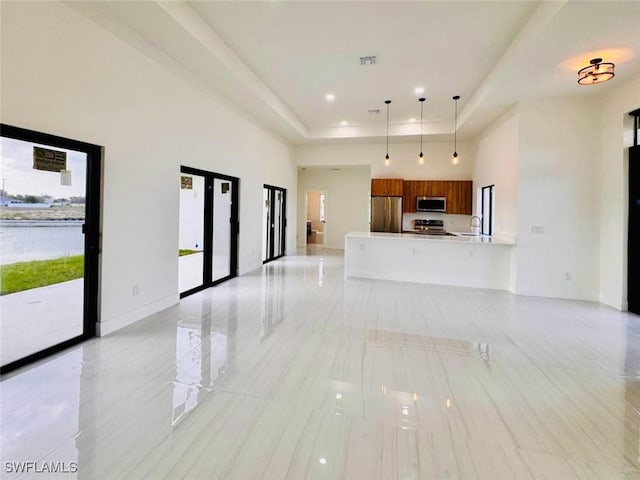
column 207, row 270
column 91, row 235
column 490, row 187
column 271, row 254
column 633, row 238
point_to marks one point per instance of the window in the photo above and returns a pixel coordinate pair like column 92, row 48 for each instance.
column 487, row 210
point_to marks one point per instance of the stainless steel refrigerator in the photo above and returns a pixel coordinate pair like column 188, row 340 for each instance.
column 386, row 214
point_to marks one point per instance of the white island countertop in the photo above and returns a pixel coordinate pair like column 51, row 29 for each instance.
column 461, row 260
column 457, row 237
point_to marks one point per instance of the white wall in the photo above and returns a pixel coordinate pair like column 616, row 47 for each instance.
column 496, row 163
column 64, row 75
column 347, row 193
column 558, row 198
column 404, row 159
column 617, row 135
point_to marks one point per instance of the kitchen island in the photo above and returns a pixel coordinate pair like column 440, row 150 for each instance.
column 460, row 260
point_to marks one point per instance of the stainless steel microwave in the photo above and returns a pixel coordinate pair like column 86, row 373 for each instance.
column 431, row 204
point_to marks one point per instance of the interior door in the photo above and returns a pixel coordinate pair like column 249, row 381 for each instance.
column 633, row 287
column 274, row 223
column 49, row 226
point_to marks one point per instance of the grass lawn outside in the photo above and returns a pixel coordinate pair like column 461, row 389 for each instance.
column 185, row 251
column 20, row 276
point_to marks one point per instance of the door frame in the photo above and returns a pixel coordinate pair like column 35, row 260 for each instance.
column 633, row 232
column 490, row 208
column 207, row 268
column 271, row 228
column 91, row 229
column 324, row 222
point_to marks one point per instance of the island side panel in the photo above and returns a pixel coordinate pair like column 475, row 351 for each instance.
column 422, row 260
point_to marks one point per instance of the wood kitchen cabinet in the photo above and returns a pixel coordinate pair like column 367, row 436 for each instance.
column 457, row 192
column 386, row 187
column 459, row 197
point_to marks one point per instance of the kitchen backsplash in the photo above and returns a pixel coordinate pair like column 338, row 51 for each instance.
column 454, row 223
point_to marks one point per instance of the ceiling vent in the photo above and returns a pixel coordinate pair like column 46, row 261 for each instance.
column 368, row 60
column 374, row 111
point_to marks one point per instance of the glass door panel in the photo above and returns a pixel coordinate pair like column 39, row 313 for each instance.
column 274, row 223
column 222, row 203
column 42, row 249
column 208, row 229
column 277, row 221
column 191, row 235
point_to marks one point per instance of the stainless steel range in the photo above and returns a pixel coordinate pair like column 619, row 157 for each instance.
column 429, row 227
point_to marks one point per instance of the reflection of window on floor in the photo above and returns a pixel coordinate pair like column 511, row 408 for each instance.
column 487, row 210
column 322, row 207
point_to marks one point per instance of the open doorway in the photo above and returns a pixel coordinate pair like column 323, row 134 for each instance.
column 316, row 219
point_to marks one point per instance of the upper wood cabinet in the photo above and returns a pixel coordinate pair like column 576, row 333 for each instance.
column 386, row 187
column 457, row 192
column 459, row 197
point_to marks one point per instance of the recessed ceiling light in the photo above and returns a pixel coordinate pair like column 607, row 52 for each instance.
column 419, row 90
column 322, row 460
column 344, row 122
column 412, row 120
column 330, row 97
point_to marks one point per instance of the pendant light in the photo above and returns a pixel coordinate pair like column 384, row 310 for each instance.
column 455, row 160
column 421, row 156
column 387, row 162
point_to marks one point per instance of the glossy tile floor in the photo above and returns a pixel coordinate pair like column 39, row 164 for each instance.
column 293, row 372
column 35, row 319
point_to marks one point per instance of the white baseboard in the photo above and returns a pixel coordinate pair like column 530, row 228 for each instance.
column 121, row 321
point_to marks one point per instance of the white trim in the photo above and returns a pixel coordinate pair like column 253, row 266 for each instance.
column 128, row 318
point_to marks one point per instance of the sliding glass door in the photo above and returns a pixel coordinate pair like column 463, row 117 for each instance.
column 208, row 239
column 274, row 222
column 49, row 226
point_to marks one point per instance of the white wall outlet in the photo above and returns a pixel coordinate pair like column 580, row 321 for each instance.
column 135, row 289
column 567, row 276
column 362, row 247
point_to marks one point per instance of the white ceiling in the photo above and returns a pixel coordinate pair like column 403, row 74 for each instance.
column 276, row 60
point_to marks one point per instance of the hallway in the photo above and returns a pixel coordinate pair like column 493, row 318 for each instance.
column 293, row 372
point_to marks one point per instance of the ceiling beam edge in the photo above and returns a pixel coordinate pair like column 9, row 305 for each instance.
column 201, row 31
column 540, row 18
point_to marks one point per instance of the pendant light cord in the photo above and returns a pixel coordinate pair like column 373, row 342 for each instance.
column 421, row 106
column 455, row 130
column 387, row 127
